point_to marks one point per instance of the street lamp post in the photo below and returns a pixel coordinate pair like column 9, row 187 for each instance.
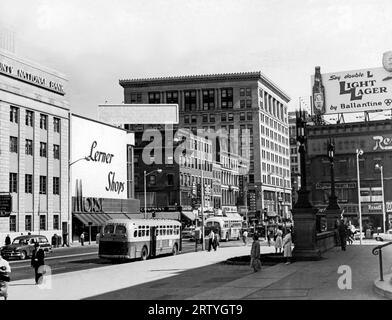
column 359, row 152
column 145, row 189
column 380, row 167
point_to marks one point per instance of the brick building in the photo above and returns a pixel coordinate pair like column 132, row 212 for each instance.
column 237, row 101
column 374, row 138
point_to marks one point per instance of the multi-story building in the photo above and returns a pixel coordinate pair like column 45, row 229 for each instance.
column 34, row 128
column 374, row 138
column 246, row 102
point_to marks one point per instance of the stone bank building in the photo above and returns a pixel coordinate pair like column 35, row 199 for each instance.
column 33, row 147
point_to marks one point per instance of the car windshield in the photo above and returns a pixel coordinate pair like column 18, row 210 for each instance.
column 20, row 241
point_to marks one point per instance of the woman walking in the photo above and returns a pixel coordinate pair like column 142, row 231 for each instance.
column 287, row 243
column 278, row 241
column 37, row 261
column 255, row 262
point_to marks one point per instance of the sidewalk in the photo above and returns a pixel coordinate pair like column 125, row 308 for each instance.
column 199, row 275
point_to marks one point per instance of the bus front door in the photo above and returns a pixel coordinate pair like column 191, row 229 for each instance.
column 153, row 241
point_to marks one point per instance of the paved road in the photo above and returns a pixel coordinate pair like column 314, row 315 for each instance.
column 70, row 259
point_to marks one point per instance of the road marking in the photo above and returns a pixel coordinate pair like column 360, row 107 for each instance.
column 59, row 257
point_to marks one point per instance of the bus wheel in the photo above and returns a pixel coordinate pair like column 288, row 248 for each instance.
column 144, row 255
column 175, row 249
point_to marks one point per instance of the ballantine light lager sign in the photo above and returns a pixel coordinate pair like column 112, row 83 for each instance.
column 19, row 73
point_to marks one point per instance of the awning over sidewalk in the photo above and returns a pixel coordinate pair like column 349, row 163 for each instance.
column 98, row 219
column 189, row 215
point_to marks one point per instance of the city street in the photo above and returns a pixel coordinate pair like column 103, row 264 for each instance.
column 69, row 259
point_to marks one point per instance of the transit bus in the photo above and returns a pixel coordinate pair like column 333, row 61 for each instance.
column 139, row 238
column 228, row 228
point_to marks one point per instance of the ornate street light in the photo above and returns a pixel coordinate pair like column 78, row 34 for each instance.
column 379, row 167
column 333, row 199
column 145, row 188
column 303, row 200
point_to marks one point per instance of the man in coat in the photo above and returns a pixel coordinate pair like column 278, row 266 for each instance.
column 38, row 260
column 7, row 240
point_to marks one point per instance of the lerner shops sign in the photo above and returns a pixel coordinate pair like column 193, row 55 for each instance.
column 30, row 75
column 359, row 90
column 102, row 150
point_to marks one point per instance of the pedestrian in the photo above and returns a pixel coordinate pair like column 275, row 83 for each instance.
column 287, row 243
column 5, row 271
column 210, row 240
column 245, row 236
column 278, row 241
column 342, row 230
column 65, row 239
column 82, row 238
column 37, row 261
column 255, row 262
column 215, row 241
column 7, row 240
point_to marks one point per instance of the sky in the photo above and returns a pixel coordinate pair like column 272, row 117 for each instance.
column 96, row 43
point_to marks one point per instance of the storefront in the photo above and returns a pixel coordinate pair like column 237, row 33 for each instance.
column 101, row 175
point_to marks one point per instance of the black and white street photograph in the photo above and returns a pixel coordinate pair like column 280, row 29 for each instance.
column 195, row 156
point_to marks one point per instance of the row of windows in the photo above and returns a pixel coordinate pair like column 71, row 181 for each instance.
column 144, row 231
column 13, row 184
column 29, row 148
column 225, row 117
column 28, row 223
column 273, row 106
column 189, row 180
column 29, row 119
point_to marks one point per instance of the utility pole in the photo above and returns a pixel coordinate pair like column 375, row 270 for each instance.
column 202, row 210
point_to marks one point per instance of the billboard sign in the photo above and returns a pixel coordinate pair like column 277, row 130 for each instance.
column 98, row 160
column 357, row 90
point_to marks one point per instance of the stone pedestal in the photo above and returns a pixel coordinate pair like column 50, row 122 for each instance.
column 305, row 240
column 333, row 213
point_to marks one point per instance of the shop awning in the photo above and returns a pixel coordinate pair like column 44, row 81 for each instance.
column 189, row 215
column 98, row 219
column 171, row 215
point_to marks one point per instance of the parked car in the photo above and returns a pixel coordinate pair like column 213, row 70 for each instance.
column 356, row 234
column 387, row 236
column 22, row 247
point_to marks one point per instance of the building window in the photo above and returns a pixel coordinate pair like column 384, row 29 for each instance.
column 227, row 98
column 248, row 92
column 29, row 147
column 230, row 117
column 223, row 117
column 186, row 119
column 249, row 103
column 205, row 117
column 249, row 116
column 152, row 180
column 14, row 144
column 56, row 125
column 190, row 100
column 212, row 118
column 56, row 223
column 136, row 98
column 56, row 185
column 208, row 99
column 242, row 104
column 194, row 119
column 242, row 92
column 172, row 97
column 14, row 114
column 170, row 179
column 29, row 118
column 43, row 150
column 56, row 151
column 13, row 223
column 28, row 223
column 28, row 183
column 42, row 185
column 13, row 182
column 242, row 116
column 42, row 222
column 43, row 122
column 154, row 97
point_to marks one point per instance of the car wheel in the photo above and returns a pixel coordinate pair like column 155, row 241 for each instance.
column 144, row 254
column 23, row 255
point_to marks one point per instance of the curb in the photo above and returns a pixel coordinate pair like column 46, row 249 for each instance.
column 384, row 288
